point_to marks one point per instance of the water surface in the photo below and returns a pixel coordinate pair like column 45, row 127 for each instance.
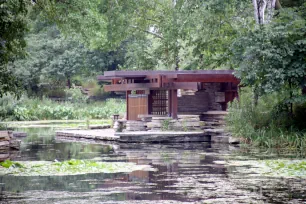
column 185, row 173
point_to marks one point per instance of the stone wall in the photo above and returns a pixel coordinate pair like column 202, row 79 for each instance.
column 197, row 103
column 183, row 123
column 202, row 100
column 8, row 145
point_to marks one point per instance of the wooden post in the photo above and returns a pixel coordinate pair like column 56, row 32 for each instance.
column 150, row 101
column 127, row 104
column 169, row 103
column 174, row 103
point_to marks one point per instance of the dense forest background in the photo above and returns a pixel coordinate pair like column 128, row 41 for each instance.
column 65, row 42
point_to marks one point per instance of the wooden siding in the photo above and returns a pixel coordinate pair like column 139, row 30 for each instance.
column 137, row 105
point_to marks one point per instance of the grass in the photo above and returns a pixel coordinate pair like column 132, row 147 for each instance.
column 264, row 125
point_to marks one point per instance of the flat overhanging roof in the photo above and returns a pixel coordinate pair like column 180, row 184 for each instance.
column 137, row 74
column 124, row 80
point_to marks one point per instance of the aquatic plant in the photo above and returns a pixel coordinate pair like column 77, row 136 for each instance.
column 9, row 163
column 69, row 167
column 273, row 168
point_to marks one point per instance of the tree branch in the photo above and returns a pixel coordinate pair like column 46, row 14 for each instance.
column 149, row 32
column 255, row 10
column 262, row 9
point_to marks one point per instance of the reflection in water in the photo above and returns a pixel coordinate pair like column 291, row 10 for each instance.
column 185, row 173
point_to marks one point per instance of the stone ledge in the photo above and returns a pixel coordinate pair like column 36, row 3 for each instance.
column 164, row 137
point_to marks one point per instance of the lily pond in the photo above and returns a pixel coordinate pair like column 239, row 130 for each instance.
column 48, row 169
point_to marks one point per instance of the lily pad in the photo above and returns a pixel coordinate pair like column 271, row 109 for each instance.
column 274, row 168
column 70, row 167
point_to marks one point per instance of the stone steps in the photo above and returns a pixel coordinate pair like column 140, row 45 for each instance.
column 136, row 126
column 183, row 123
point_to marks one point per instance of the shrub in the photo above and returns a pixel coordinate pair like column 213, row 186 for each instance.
column 46, row 109
column 99, row 92
column 75, row 95
column 56, row 93
column 90, row 83
column 268, row 124
column 7, row 105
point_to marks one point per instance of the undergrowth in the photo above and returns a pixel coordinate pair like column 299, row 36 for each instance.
column 269, row 124
column 46, row 109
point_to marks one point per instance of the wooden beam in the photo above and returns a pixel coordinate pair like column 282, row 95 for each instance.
column 206, row 78
column 168, row 73
column 126, row 87
column 182, row 85
column 146, row 86
column 127, row 104
column 175, row 76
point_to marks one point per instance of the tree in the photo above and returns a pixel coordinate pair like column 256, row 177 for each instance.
column 207, row 28
column 51, row 57
column 13, row 28
column 271, row 57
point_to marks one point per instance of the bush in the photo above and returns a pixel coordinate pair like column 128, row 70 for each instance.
column 90, row 83
column 98, row 92
column 268, row 124
column 56, row 93
column 75, row 95
column 7, row 105
column 46, row 109
column 49, row 110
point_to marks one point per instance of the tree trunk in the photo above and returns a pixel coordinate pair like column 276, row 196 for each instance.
column 177, row 63
column 277, row 5
column 255, row 10
column 304, row 90
column 260, row 7
column 69, row 82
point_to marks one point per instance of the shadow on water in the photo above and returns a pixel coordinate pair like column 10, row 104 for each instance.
column 184, row 173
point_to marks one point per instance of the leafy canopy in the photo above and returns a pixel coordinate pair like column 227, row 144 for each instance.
column 12, row 43
column 272, row 57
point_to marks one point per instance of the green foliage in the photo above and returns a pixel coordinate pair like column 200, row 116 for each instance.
column 268, row 124
column 166, row 125
column 75, row 95
column 271, row 57
column 46, row 109
column 184, row 126
column 99, row 93
column 12, row 43
column 7, row 105
column 54, row 59
column 57, row 92
column 286, row 167
column 272, row 168
column 70, row 167
column 9, row 164
column 157, row 34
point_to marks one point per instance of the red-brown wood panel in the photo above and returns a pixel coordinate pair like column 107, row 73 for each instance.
column 137, row 105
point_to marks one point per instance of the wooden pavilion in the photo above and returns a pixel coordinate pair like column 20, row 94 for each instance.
column 169, row 93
